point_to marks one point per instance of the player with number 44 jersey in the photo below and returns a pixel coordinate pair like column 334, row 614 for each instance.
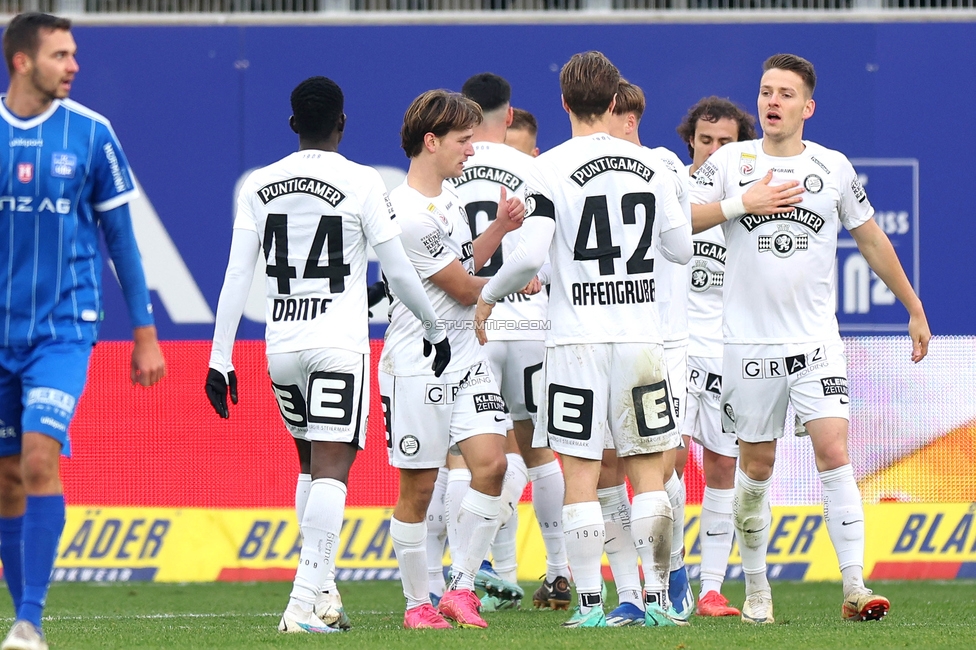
column 311, row 215
column 602, row 207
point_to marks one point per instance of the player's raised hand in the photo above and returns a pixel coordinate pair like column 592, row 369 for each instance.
column 148, row 365
column 442, row 355
column 918, row 330
column 510, row 212
column 481, row 314
column 217, row 387
column 763, row 198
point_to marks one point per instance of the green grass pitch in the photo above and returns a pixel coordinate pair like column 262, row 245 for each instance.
column 233, row 615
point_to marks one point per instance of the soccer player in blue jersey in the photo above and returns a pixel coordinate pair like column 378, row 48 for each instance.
column 63, row 177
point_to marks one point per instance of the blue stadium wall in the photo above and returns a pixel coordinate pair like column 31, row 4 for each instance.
column 195, row 107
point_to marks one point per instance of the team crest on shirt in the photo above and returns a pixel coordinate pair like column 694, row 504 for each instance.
column 63, row 165
column 25, row 172
column 440, row 215
column 813, row 183
column 784, row 242
column 747, row 163
column 702, row 278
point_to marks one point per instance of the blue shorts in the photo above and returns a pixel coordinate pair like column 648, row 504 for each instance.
column 39, row 388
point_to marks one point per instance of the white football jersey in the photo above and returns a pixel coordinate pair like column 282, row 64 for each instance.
column 610, row 200
column 492, row 165
column 705, row 297
column 672, row 279
column 435, row 233
column 314, row 211
column 781, row 270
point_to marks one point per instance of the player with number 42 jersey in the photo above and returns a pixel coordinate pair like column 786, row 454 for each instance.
column 602, row 207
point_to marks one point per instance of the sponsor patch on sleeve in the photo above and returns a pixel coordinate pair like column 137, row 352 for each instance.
column 488, row 402
column 834, row 385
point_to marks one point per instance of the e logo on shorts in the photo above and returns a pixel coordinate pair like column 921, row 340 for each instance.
column 570, row 412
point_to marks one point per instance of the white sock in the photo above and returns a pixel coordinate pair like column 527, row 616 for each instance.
column 302, row 487
column 585, row 535
column 548, row 492
column 675, row 487
column 458, row 482
column 750, row 512
column 477, row 524
column 516, row 478
column 715, row 535
column 619, row 545
column 504, row 550
column 410, row 546
column 650, row 526
column 320, row 538
column 505, row 545
column 436, row 535
column 844, row 515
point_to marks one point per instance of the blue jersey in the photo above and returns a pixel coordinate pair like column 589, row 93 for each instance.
column 62, row 174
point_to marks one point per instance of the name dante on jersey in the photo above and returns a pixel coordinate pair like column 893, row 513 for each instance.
column 301, row 185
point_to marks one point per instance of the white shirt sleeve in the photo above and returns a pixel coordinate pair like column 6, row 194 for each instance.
column 676, row 243
column 244, row 249
column 854, row 208
column 708, row 183
column 404, row 282
column 422, row 238
column 379, row 220
column 524, row 262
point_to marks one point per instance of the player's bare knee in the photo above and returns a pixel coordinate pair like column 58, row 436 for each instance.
column 490, row 472
column 12, row 493
column 40, row 473
column 832, row 456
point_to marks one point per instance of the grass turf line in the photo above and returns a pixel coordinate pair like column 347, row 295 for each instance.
column 238, row 615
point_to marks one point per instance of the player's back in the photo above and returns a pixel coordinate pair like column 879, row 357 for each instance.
column 58, row 169
column 610, row 199
column 314, row 212
column 494, row 165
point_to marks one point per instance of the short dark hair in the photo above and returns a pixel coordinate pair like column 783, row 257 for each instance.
column 22, row 34
column 438, row 112
column 712, row 109
column 630, row 99
column 523, row 120
column 588, row 82
column 316, row 105
column 796, row 64
column 487, row 90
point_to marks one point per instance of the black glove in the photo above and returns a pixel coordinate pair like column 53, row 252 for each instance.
column 442, row 355
column 375, row 293
column 217, row 391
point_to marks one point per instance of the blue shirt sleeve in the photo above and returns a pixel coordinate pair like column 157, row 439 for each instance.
column 121, row 243
column 112, row 183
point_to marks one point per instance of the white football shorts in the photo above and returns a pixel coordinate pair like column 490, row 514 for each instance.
column 425, row 415
column 760, row 380
column 677, row 358
column 703, row 421
column 323, row 393
column 517, row 367
column 600, row 390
